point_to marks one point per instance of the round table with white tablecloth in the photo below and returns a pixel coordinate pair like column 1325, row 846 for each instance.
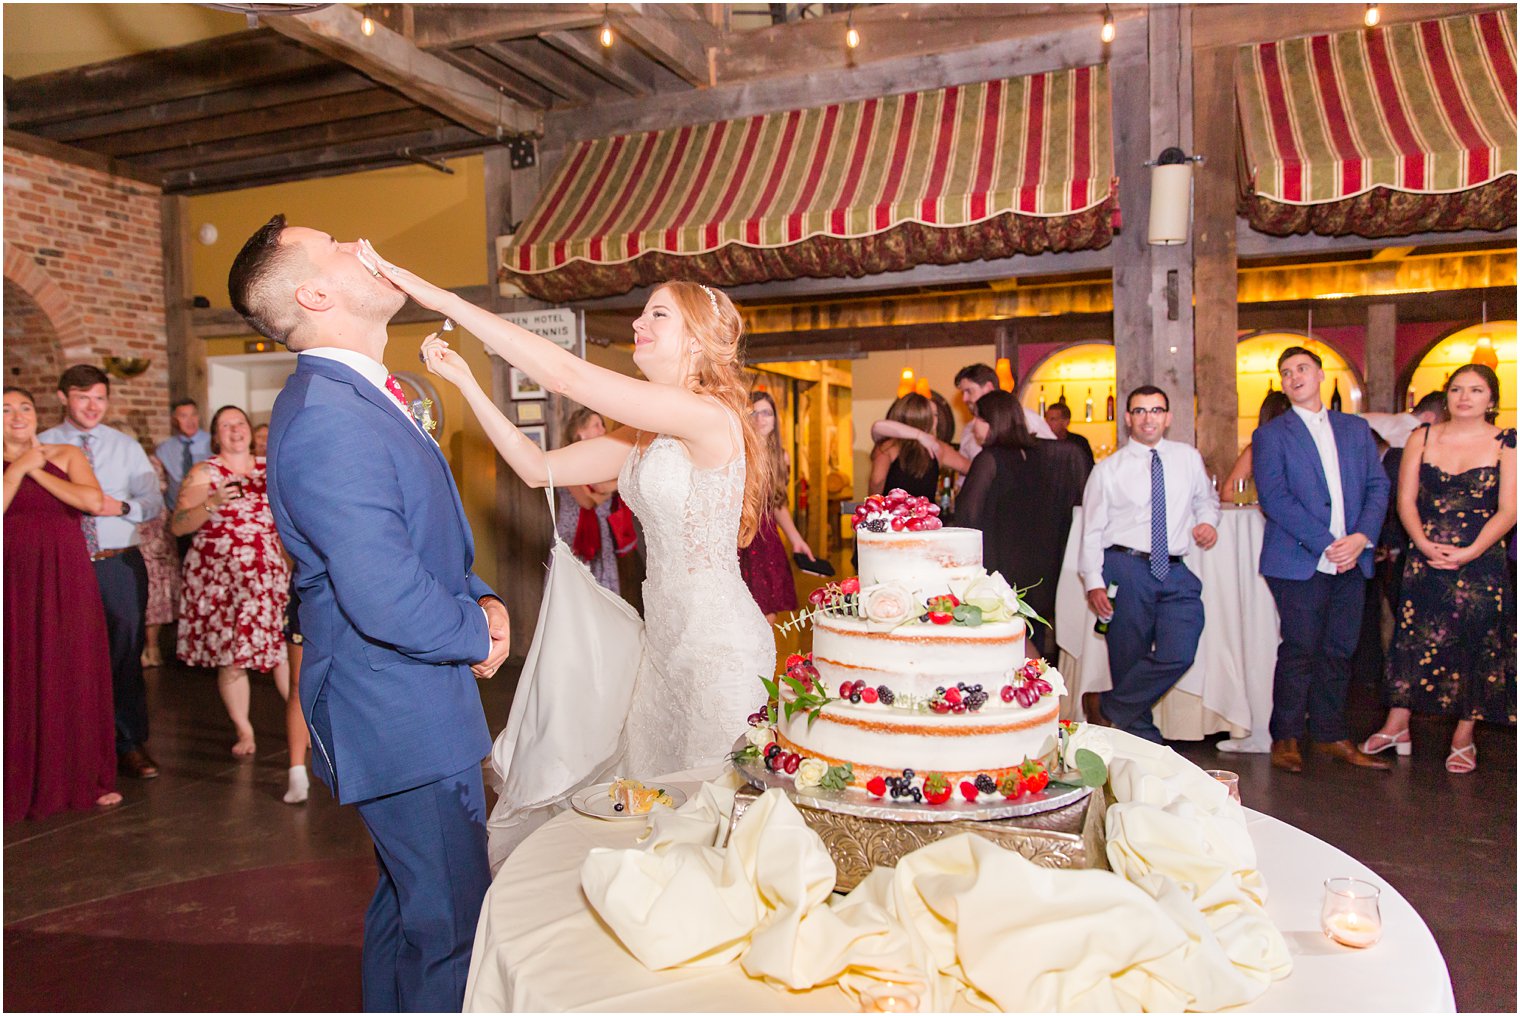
column 540, row 947
column 1229, row 686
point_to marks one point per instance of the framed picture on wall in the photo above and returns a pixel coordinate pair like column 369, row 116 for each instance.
column 529, row 412
column 520, row 386
column 535, row 434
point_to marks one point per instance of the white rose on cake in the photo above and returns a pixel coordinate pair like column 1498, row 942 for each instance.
column 760, row 736
column 811, row 772
column 992, row 594
column 888, row 604
column 1052, row 677
column 1095, row 739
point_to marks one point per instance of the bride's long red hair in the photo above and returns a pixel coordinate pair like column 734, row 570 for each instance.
column 718, row 371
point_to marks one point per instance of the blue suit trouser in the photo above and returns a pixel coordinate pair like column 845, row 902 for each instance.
column 1320, row 619
column 419, row 931
column 123, row 582
column 1152, row 638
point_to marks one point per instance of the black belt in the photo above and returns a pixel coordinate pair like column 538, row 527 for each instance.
column 1144, row 555
column 105, row 554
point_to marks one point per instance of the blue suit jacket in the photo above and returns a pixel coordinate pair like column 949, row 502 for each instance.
column 366, row 506
column 1295, row 498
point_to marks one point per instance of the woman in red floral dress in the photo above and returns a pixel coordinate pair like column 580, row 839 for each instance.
column 236, row 580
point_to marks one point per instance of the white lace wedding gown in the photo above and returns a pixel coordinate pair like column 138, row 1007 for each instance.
column 706, row 643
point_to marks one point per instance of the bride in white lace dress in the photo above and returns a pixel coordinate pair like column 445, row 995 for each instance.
column 680, row 459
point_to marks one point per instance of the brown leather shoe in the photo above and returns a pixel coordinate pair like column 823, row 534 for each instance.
column 1348, row 753
column 1285, row 756
column 136, row 764
column 1092, row 709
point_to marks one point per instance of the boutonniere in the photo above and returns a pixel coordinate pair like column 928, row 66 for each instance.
column 422, row 412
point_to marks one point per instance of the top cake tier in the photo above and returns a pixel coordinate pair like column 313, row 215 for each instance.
column 926, row 560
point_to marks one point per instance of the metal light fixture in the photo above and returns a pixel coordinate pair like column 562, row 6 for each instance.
column 905, row 383
column 922, row 388
column 1171, row 197
column 1108, row 31
column 367, row 26
column 1372, row 16
column 851, row 36
column 1005, row 374
column 1483, row 349
column 605, row 35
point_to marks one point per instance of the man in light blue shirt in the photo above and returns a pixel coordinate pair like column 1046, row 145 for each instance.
column 185, row 448
column 132, row 498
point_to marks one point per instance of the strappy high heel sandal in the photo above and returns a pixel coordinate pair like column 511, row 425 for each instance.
column 1379, row 742
column 1462, row 760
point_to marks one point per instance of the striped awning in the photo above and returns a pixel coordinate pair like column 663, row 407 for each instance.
column 769, row 189
column 1425, row 108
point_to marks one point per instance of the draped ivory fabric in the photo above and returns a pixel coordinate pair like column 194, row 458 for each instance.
column 1178, row 924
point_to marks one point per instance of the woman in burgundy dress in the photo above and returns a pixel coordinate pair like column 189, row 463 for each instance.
column 60, row 737
column 236, row 582
column 764, row 563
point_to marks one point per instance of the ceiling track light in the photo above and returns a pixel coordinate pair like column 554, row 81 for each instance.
column 1372, row 16
column 1108, row 32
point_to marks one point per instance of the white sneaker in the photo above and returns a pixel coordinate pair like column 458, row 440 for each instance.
column 299, row 786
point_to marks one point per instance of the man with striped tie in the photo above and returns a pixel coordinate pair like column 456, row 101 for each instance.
column 1142, row 506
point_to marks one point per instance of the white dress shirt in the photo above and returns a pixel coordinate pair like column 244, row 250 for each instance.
column 1394, row 428
column 1330, row 461
column 124, row 472
column 1116, row 504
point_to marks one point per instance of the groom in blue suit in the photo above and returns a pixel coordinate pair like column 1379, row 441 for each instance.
column 397, row 627
column 1324, row 494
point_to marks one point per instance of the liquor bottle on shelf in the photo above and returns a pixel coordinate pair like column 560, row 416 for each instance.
column 1087, row 411
column 1042, row 400
column 1101, row 626
column 1409, row 400
column 1335, row 396
column 1108, row 412
column 1061, row 400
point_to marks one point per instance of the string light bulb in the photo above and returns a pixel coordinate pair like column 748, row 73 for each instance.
column 367, row 26
column 1372, row 16
column 1108, row 32
column 605, row 35
column 905, row 383
column 851, row 36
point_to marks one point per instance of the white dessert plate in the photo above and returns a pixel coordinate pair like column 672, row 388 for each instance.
column 594, row 802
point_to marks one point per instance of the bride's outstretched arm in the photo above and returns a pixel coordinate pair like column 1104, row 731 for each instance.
column 590, row 461
column 645, row 405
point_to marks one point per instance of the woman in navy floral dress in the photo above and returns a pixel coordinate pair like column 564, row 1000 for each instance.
column 1453, row 653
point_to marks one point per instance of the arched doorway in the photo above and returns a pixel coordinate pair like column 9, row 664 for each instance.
column 31, row 352
column 1256, row 374
column 1430, row 372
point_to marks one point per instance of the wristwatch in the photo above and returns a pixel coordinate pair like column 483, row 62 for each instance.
column 125, row 508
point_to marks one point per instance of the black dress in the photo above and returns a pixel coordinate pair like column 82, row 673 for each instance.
column 1021, row 500
column 922, row 486
column 1454, row 651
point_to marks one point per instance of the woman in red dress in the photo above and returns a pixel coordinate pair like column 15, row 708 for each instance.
column 764, row 563
column 60, row 737
column 236, row 582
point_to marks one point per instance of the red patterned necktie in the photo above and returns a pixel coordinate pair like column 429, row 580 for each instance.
column 87, row 521
column 394, row 387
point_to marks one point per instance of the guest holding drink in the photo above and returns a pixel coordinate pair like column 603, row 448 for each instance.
column 60, row 742
column 763, row 563
column 1453, row 652
column 236, row 581
column 582, row 510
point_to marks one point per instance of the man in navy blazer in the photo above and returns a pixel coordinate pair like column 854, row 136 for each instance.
column 397, row 627
column 1324, row 494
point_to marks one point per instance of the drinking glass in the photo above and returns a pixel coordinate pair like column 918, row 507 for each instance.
column 1230, row 780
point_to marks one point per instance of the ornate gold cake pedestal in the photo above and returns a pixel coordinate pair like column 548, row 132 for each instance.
column 1070, row 836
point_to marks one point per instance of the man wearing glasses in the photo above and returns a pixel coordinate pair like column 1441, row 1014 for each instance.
column 1142, row 507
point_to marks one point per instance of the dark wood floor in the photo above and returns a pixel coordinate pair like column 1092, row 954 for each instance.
column 205, row 892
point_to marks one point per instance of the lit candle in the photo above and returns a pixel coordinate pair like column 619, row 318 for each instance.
column 1355, row 930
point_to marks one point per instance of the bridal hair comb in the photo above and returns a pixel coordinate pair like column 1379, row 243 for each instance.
column 712, row 297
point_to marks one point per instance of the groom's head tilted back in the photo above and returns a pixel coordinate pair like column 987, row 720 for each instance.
column 302, row 288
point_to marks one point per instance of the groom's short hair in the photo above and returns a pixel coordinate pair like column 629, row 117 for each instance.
column 262, row 283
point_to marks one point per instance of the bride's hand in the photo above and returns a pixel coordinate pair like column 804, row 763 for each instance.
column 419, row 289
column 444, row 362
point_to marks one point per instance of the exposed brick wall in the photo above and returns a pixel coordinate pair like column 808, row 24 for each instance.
column 87, row 248
column 31, row 352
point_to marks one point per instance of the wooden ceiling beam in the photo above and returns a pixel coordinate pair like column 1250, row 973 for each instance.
column 1249, row 243
column 533, row 58
column 299, row 139
column 680, row 45
column 24, row 142
column 214, row 133
column 1245, row 24
column 391, row 60
column 322, row 83
column 602, row 61
column 455, row 25
column 309, row 164
column 489, row 68
column 215, row 65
